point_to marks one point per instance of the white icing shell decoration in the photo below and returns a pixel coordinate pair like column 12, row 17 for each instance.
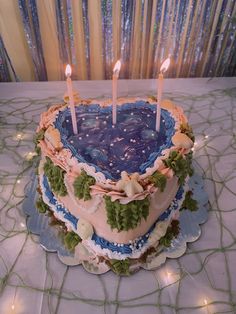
column 75, row 95
column 52, row 136
column 130, row 184
column 158, row 232
column 181, row 140
column 167, row 104
column 84, row 229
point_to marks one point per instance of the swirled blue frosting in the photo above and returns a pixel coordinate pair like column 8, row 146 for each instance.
column 132, row 145
column 103, row 243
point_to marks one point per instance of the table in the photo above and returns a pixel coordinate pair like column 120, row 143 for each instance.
column 201, row 281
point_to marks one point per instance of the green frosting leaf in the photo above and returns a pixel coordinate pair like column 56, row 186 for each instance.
column 181, row 165
column 120, row 267
column 39, row 136
column 171, row 233
column 71, row 239
column 41, row 206
column 189, row 203
column 126, row 216
column 82, row 186
column 186, row 129
column 159, row 180
column 55, row 176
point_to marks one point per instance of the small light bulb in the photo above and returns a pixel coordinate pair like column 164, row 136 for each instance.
column 205, row 301
column 169, row 274
column 19, row 136
column 206, row 136
column 30, row 155
column 22, row 224
column 13, row 306
column 18, row 181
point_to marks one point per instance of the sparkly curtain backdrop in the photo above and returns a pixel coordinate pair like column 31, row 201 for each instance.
column 4, row 72
column 92, row 34
column 30, row 20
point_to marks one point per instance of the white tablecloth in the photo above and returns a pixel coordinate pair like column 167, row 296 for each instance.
column 36, row 282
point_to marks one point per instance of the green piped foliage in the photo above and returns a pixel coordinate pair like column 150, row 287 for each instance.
column 120, row 267
column 159, row 180
column 39, row 136
column 71, row 239
column 171, row 233
column 126, row 216
column 82, row 186
column 189, row 203
column 41, row 206
column 180, row 165
column 186, row 129
column 55, row 176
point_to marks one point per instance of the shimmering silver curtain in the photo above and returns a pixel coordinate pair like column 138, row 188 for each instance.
column 92, row 34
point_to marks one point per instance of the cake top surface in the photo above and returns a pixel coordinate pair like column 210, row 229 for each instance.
column 132, row 145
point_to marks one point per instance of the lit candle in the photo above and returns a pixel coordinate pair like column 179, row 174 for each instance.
column 163, row 69
column 115, row 76
column 71, row 98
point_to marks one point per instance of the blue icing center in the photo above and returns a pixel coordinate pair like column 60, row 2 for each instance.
column 103, row 243
column 132, row 145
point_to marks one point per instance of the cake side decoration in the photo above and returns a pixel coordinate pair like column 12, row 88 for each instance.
column 129, row 184
column 84, row 229
column 126, row 216
column 55, row 176
column 53, row 139
column 117, row 190
column 82, row 185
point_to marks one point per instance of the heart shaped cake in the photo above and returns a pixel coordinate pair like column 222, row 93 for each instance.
column 115, row 189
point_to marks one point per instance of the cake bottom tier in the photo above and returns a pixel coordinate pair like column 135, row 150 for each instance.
column 97, row 253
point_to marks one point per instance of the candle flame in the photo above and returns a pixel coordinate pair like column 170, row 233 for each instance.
column 68, row 70
column 165, row 65
column 117, row 67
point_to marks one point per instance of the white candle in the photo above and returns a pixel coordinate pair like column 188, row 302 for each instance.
column 71, row 98
column 163, row 69
column 115, row 76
